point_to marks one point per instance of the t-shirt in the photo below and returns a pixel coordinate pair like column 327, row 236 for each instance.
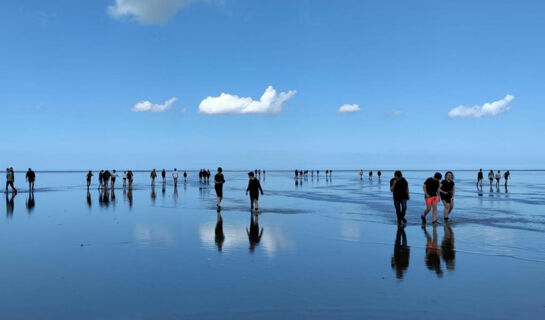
column 480, row 175
column 506, row 176
column 219, row 178
column 490, row 175
column 400, row 189
column 447, row 186
column 254, row 186
column 175, row 174
column 432, row 186
column 498, row 176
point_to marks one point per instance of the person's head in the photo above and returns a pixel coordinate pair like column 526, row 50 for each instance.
column 480, row 169
column 498, row 171
column 449, row 176
column 437, row 176
column 220, row 169
column 114, row 171
column 124, row 171
column 90, row 171
column 175, row 169
column 251, row 175
column 398, row 174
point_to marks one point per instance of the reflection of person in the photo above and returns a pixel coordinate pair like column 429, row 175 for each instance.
column 254, row 234
column 219, row 180
column 219, row 236
column 433, row 252
column 400, row 260
column 30, row 203
column 400, row 190
column 89, row 203
column 254, row 187
column 448, row 253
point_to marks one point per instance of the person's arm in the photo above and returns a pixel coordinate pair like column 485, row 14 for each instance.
column 408, row 194
column 392, row 185
column 453, row 191
column 248, row 189
column 425, row 191
column 441, row 190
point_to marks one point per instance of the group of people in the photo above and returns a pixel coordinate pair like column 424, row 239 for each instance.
column 300, row 174
column 379, row 174
column 492, row 176
column 10, row 180
column 434, row 189
column 254, row 189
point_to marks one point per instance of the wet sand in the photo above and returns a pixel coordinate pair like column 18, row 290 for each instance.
column 329, row 249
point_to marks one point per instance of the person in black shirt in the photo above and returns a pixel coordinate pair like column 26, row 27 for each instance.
column 89, row 175
column 219, row 180
column 130, row 176
column 100, row 178
column 254, row 187
column 185, row 176
column 106, row 179
column 164, row 175
column 431, row 187
column 506, row 176
column 480, row 177
column 379, row 173
column 31, row 177
column 446, row 192
column 400, row 190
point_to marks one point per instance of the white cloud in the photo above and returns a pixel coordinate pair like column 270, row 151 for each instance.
column 396, row 112
column 487, row 109
column 146, row 105
column 270, row 102
column 346, row 108
column 148, row 11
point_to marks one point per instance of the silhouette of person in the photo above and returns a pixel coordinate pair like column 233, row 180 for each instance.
column 219, row 180
column 164, row 176
column 10, row 180
column 31, row 177
column 219, row 237
column 254, row 234
column 480, row 177
column 433, row 251
column 448, row 253
column 153, row 175
column 89, row 176
column 400, row 259
column 400, row 191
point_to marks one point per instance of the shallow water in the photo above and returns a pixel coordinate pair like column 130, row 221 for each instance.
column 328, row 249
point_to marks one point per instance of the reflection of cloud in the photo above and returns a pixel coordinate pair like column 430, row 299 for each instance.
column 273, row 239
column 350, row 230
column 148, row 234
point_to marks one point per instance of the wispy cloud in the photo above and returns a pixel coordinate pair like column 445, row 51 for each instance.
column 145, row 105
column 270, row 102
column 396, row 113
column 347, row 108
column 148, row 11
column 488, row 109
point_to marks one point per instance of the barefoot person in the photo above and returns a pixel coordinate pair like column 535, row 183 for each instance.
column 164, row 175
column 480, row 177
column 89, row 176
column 130, row 176
column 254, row 187
column 112, row 178
column 31, row 177
column 175, row 177
column 124, row 179
column 153, row 175
column 10, row 179
column 491, row 177
column 498, row 178
column 446, row 192
column 219, row 180
column 400, row 190
column 431, row 187
column 506, row 176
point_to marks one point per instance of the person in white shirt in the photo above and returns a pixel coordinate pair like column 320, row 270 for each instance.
column 124, row 179
column 498, row 177
column 175, row 177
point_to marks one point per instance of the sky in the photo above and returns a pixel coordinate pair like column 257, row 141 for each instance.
column 272, row 84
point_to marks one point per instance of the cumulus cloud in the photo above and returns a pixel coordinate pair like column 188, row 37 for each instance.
column 270, row 102
column 487, row 109
column 148, row 11
column 145, row 105
column 346, row 108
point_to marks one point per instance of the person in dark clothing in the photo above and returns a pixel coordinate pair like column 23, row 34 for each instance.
column 10, row 180
column 164, row 175
column 400, row 190
column 379, row 174
column 506, row 177
column 185, row 176
column 254, row 187
column 89, row 176
column 400, row 260
column 370, row 175
column 30, row 178
column 219, row 180
column 219, row 237
column 254, row 234
column 446, row 192
column 431, row 189
column 100, row 178
column 106, row 179
column 296, row 174
column 130, row 176
column 153, row 175
column 480, row 177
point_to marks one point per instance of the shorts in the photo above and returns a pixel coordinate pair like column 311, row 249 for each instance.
column 219, row 191
column 446, row 198
column 431, row 200
column 254, row 196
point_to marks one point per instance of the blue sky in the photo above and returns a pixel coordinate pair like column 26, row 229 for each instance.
column 73, row 72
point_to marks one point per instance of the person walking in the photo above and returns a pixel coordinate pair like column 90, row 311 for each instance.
column 219, row 180
column 100, row 178
column 254, row 187
column 506, row 176
column 130, row 177
column 498, row 178
column 361, row 174
column 431, row 188
column 164, row 175
column 446, row 193
column 10, row 180
column 112, row 178
column 175, row 177
column 89, row 176
column 491, row 177
column 30, row 178
column 400, row 190
column 124, row 179
column 379, row 174
column 153, row 175
column 185, row 176
column 480, row 177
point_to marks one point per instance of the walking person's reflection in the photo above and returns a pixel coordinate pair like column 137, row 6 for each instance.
column 175, row 194
column 163, row 189
column 30, row 203
column 254, row 234
column 448, row 253
column 153, row 194
column 218, row 232
column 10, row 206
column 400, row 259
column 129, row 197
column 433, row 252
column 112, row 196
column 89, row 202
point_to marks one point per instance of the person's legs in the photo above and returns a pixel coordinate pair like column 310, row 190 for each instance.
column 451, row 206
column 434, row 210
column 251, row 203
column 256, row 204
column 426, row 211
column 403, row 210
column 447, row 209
column 397, row 205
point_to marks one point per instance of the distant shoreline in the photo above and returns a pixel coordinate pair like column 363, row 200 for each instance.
column 286, row 170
